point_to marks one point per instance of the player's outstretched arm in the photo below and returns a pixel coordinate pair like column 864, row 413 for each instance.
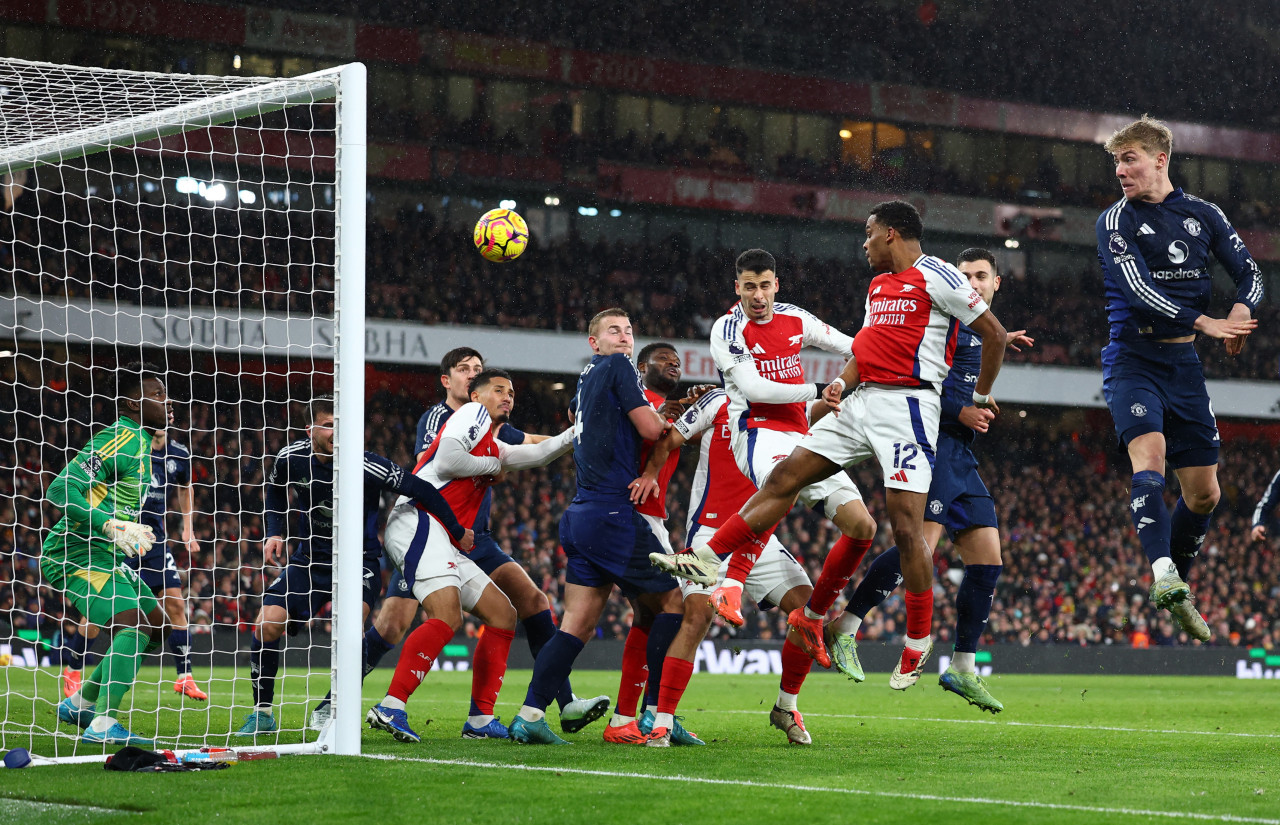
column 993, row 336
column 647, row 483
column 647, row 422
column 385, row 474
column 1018, row 339
column 1225, row 328
column 1239, row 312
column 528, row 456
column 834, row 391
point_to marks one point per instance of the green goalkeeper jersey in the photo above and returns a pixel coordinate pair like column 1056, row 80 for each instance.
column 107, row 479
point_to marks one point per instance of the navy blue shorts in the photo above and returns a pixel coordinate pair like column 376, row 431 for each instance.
column 157, row 568
column 1159, row 388
column 305, row 586
column 487, row 554
column 610, row 544
column 958, row 499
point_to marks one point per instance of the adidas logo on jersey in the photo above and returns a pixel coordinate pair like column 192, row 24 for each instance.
column 900, row 476
column 1146, row 230
column 757, row 350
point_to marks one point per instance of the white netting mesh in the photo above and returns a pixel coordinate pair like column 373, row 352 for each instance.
column 209, row 253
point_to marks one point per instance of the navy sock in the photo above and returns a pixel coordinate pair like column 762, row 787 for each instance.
column 375, row 647
column 551, row 668
column 73, row 649
column 1186, row 535
column 180, row 647
column 661, row 634
column 973, row 604
column 1150, row 518
column 540, row 628
column 264, row 664
column 883, row 577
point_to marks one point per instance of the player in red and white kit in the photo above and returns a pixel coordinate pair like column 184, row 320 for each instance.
column 660, row 372
column 462, row 463
column 901, row 356
column 719, row 488
column 756, row 346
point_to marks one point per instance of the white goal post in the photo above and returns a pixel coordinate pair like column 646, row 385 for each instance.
column 157, row 217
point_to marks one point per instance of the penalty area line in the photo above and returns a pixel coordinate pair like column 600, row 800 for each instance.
column 785, row 786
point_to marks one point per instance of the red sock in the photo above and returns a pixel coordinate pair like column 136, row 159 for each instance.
column 635, row 671
column 675, row 678
column 919, row 614
column 844, row 558
column 735, row 537
column 795, row 667
column 488, row 666
column 419, row 654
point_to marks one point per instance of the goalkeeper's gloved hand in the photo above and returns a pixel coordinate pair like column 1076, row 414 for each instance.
column 133, row 538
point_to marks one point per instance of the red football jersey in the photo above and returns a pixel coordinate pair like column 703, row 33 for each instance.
column 909, row 334
column 656, row 505
column 774, row 348
column 472, row 426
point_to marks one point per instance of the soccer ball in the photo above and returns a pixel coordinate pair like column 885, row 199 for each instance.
column 5, row 659
column 501, row 235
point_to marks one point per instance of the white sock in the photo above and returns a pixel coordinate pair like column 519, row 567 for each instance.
column 651, row 709
column 479, row 721
column 728, row 582
column 848, row 623
column 918, row 645
column 531, row 714
column 102, row 724
column 265, row 708
column 964, row 662
column 392, row 703
column 1162, row 566
column 78, row 702
column 809, row 614
column 619, row 720
column 663, row 720
column 787, row 701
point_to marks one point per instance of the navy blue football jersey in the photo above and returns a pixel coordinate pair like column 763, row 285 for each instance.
column 170, row 464
column 958, row 387
column 298, row 471
column 1155, row 263
column 606, row 445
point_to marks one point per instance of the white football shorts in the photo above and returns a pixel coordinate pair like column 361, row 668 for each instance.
column 420, row 547
column 897, row 425
column 758, row 451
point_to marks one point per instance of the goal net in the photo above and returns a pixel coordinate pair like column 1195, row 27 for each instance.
column 210, row 228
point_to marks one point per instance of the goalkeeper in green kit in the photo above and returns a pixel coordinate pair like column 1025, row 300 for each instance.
column 101, row 493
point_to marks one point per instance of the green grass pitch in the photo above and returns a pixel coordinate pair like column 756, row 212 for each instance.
column 1068, row 749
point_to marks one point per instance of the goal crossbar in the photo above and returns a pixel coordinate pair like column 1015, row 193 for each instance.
column 170, row 120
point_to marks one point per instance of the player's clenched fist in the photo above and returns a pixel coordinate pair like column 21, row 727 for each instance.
column 133, row 538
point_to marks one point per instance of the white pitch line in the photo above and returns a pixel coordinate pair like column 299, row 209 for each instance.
column 783, row 786
column 1012, row 724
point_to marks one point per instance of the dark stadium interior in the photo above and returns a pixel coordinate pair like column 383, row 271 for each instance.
column 452, row 137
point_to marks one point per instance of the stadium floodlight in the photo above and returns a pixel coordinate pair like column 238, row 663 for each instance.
column 246, row 318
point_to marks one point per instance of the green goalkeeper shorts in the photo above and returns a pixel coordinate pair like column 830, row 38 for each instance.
column 100, row 595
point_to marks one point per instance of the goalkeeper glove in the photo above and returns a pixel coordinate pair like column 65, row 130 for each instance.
column 133, row 538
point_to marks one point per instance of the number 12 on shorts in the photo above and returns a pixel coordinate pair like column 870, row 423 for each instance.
column 903, row 455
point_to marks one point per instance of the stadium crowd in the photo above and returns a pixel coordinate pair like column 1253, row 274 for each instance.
column 680, row 286
column 1073, row 571
column 1002, row 49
